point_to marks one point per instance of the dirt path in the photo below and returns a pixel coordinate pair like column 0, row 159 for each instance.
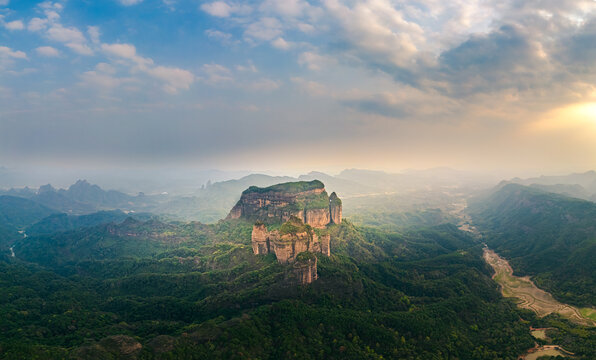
column 530, row 296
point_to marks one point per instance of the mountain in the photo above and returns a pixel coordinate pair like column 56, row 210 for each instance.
column 84, row 192
column 64, row 222
column 19, row 212
column 586, row 180
column 84, row 198
column 57, row 199
column 15, row 214
column 167, row 290
column 549, row 236
column 306, row 200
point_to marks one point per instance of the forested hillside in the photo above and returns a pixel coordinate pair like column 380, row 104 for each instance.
column 165, row 290
column 551, row 237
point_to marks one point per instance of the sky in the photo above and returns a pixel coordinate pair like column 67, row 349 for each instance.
column 296, row 85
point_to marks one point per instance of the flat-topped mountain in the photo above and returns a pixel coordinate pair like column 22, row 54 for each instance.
column 306, row 200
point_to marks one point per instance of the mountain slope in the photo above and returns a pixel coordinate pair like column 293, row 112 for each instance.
column 63, row 222
column 20, row 212
column 550, row 236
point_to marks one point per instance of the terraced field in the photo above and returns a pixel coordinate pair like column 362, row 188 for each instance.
column 530, row 296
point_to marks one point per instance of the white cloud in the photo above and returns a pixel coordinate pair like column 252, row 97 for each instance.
column 66, row 35
column 247, row 68
column 14, row 25
column 289, row 8
column 94, row 34
column 7, row 52
column 310, row 87
column 129, row 52
column 217, row 8
column 130, row 2
column 217, row 74
column 37, row 24
column 314, row 61
column 265, row 85
column 222, row 37
column 100, row 80
column 4, row 2
column 47, row 51
column 80, row 49
column 175, row 78
column 105, row 68
column 224, row 9
column 281, row 44
column 267, row 28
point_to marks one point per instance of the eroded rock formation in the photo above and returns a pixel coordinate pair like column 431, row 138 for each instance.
column 305, row 268
column 290, row 244
column 304, row 209
column 306, row 200
column 335, row 208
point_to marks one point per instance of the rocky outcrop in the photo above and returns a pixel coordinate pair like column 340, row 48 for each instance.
column 335, row 208
column 306, row 200
column 293, row 238
column 260, row 239
column 305, row 268
column 294, row 243
column 318, row 218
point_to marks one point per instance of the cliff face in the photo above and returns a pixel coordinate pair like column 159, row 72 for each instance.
column 292, row 243
column 305, row 270
column 306, row 200
column 335, row 208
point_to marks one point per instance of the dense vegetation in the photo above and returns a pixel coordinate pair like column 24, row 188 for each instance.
column 290, row 187
column 156, row 290
column 549, row 236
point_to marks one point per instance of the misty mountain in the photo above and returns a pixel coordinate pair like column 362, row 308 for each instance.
column 84, row 198
column 20, row 212
column 15, row 214
column 549, row 236
column 586, row 180
column 415, row 179
column 64, row 222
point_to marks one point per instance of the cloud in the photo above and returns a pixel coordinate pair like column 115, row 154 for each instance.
column 94, row 34
column 250, row 67
column 99, row 80
column 217, row 74
column 129, row 52
column 80, row 49
column 66, row 35
column 315, row 61
column 4, row 2
column 223, row 9
column 310, row 87
column 265, row 85
column 281, row 44
column 222, row 37
column 266, row 28
column 130, row 2
column 37, row 24
column 47, row 51
column 175, row 79
column 14, row 25
column 6, row 52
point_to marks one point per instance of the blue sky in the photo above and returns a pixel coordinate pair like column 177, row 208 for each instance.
column 298, row 84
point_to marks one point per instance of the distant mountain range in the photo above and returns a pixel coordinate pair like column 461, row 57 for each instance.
column 579, row 185
column 82, row 198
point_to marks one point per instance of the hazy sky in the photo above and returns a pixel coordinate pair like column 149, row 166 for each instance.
column 295, row 84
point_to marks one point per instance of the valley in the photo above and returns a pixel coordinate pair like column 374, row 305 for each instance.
column 529, row 295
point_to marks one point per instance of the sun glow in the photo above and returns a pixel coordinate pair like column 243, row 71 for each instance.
column 573, row 117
